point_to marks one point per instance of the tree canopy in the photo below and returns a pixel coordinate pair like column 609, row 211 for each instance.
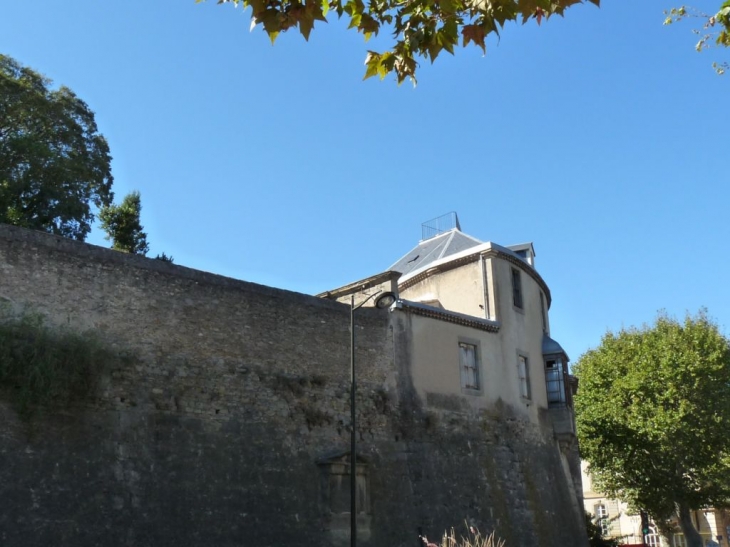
column 421, row 28
column 652, row 413
column 54, row 164
column 123, row 225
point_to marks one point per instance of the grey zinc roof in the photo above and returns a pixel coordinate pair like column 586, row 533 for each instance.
column 433, row 249
column 551, row 347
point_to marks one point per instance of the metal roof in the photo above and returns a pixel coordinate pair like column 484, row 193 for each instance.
column 551, row 347
column 433, row 249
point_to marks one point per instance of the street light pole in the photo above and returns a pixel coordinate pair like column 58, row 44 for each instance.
column 353, row 447
column 383, row 301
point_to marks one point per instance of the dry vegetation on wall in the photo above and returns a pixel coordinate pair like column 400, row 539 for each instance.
column 473, row 538
column 41, row 366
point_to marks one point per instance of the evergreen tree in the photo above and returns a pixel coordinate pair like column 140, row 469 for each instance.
column 123, row 227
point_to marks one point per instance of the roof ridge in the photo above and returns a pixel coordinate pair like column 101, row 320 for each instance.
column 447, row 243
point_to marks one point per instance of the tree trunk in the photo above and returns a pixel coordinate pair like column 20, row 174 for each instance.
column 691, row 535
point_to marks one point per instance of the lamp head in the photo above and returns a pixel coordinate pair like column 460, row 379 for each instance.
column 385, row 300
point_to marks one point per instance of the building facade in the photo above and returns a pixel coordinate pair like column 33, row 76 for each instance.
column 221, row 415
column 474, row 317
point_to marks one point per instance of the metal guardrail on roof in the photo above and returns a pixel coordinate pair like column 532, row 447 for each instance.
column 439, row 225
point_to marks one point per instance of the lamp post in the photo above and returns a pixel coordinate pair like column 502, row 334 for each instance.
column 383, row 301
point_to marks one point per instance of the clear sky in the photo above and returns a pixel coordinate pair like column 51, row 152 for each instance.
column 601, row 137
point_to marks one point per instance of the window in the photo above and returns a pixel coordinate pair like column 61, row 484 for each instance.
column 469, row 365
column 516, row 288
column 652, row 538
column 523, row 372
column 555, row 382
column 602, row 518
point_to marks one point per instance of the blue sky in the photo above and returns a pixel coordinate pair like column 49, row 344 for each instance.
column 601, row 137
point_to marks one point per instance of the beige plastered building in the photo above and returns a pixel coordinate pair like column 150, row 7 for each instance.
column 617, row 521
column 480, row 331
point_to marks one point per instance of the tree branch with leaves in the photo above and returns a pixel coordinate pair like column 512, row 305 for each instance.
column 420, row 28
column 715, row 30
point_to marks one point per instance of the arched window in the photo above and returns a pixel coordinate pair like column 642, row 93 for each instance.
column 652, row 538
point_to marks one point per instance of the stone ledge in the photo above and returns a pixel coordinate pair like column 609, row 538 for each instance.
column 14, row 235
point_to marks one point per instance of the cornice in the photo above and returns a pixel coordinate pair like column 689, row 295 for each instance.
column 448, row 316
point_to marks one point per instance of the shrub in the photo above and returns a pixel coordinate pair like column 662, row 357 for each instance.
column 473, row 538
column 43, row 367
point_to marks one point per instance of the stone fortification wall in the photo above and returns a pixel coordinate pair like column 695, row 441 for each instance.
column 209, row 428
column 491, row 467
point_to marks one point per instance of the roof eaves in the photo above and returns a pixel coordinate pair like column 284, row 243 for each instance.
column 449, row 316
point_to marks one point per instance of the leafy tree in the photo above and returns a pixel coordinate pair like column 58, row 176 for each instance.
column 123, row 227
column 421, row 28
column 54, row 164
column 715, row 29
column 653, row 411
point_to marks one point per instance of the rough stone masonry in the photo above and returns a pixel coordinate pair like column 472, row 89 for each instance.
column 225, row 421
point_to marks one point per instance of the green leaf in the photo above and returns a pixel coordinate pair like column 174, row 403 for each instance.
column 372, row 63
column 368, row 25
column 385, row 64
column 257, row 6
column 448, row 35
column 271, row 20
column 434, row 48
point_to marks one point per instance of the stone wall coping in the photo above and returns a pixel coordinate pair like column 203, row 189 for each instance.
column 102, row 255
column 361, row 285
